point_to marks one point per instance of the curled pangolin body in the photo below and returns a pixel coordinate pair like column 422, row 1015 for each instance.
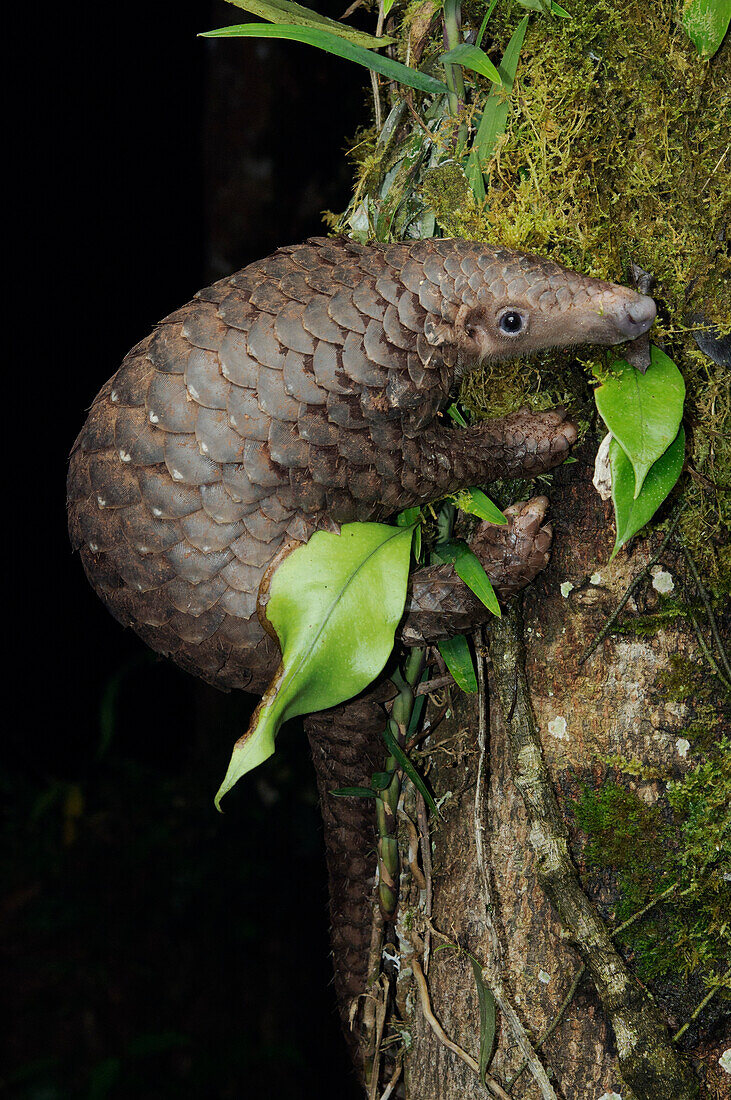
column 302, row 391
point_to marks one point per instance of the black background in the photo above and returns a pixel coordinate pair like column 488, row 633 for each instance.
column 149, row 947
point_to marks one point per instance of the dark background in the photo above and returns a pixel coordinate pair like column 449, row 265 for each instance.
column 148, row 946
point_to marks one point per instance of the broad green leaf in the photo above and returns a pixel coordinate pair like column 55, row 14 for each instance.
column 335, row 604
column 495, row 114
column 472, row 57
column 458, row 659
column 632, row 514
column 477, row 503
column 354, row 792
column 486, row 1002
column 408, row 768
column 470, row 569
column 706, row 24
column 548, row 7
column 642, row 411
column 381, row 780
column 387, row 5
column 334, row 44
column 408, row 517
column 285, row 11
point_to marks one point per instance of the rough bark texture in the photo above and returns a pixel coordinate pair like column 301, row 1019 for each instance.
column 581, row 714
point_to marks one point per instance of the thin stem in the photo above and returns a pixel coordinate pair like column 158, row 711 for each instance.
column 694, row 1016
column 709, row 610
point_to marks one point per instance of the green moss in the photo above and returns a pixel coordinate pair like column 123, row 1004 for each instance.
column 685, row 843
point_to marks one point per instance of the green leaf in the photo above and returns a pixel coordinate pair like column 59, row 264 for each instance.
column 387, row 5
column 335, row 604
column 408, row 768
column 495, row 114
column 630, row 513
column 408, row 517
column 285, row 11
column 642, row 411
column 470, row 569
column 381, row 780
column 456, row 415
column 706, row 23
column 458, row 659
column 483, row 24
column 339, row 46
column 476, row 503
column 544, row 6
column 354, row 792
column 486, row 1002
column 472, row 57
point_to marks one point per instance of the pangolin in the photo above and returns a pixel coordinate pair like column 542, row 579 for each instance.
column 302, row 392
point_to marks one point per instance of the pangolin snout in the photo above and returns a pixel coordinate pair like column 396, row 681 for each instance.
column 636, row 318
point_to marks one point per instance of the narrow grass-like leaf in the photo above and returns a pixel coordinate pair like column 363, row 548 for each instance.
column 477, row 503
column 458, row 659
column 630, row 513
column 706, row 23
column 335, row 604
column 339, row 46
column 472, row 57
column 495, row 114
column 286, row 11
column 456, row 416
column 408, row 768
column 483, row 24
column 354, row 792
column 642, row 411
column 470, row 569
column 486, row 1002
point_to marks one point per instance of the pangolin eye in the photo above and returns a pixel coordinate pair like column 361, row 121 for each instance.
column 511, row 322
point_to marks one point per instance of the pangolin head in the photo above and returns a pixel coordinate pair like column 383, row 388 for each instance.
column 514, row 304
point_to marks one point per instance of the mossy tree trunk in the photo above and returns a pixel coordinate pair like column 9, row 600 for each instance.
column 613, row 157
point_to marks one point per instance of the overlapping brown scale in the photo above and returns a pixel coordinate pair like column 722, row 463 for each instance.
column 294, row 286
column 194, row 565
column 241, row 633
column 315, row 427
column 216, row 438
column 113, row 483
column 165, row 498
column 236, row 363
column 100, row 528
column 206, row 534
column 204, row 380
column 275, row 508
column 268, row 296
column 273, row 398
column 345, row 314
column 194, row 599
column 167, row 404
column 393, row 330
column 259, row 466
column 151, row 608
column 318, row 322
column 147, row 534
column 220, row 504
column 204, row 328
column 216, row 292
column 100, row 426
column 358, row 366
column 412, row 276
column 327, row 367
column 130, row 382
column 306, row 493
column 245, row 415
column 263, row 344
column 290, row 329
column 326, row 467
column 253, row 551
column 239, row 484
column 285, row 445
column 345, row 412
column 411, row 312
column 368, row 302
column 196, row 628
column 237, row 312
column 357, row 448
column 244, row 578
column 136, row 440
column 185, row 462
column 240, row 604
column 299, row 379
column 145, row 574
column 306, row 256
column 167, row 348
